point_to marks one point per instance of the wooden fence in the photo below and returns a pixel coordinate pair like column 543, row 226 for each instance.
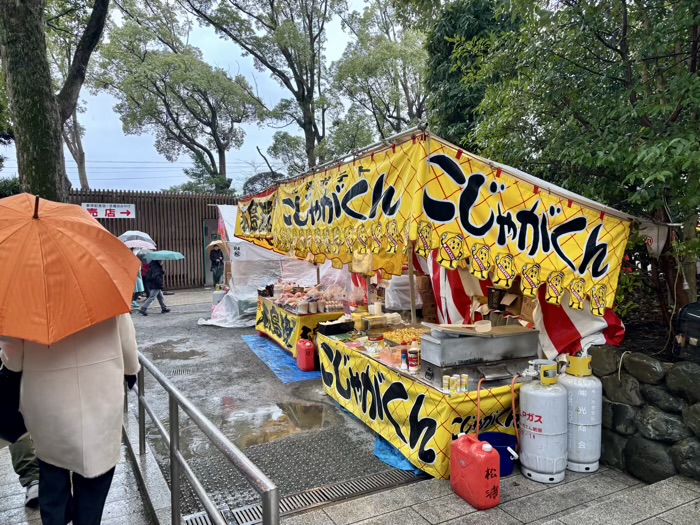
column 175, row 221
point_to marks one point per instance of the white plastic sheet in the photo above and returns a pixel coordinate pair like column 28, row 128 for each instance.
column 253, row 267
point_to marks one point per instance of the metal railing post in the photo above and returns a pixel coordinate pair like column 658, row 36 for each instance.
column 142, row 412
column 174, row 461
column 271, row 507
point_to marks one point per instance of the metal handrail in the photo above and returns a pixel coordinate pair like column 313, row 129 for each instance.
column 258, row 480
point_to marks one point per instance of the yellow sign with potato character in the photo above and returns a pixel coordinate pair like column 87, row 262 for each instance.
column 495, row 221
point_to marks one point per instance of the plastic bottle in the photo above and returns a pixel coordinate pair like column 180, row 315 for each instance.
column 414, row 358
column 404, row 364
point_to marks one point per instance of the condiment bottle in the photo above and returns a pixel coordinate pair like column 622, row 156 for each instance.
column 414, row 358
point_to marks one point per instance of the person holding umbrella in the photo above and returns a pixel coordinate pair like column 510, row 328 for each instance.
column 73, row 346
column 154, row 279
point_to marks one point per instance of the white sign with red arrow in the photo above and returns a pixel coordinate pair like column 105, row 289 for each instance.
column 103, row 210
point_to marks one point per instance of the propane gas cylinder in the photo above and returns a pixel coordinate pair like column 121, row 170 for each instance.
column 585, row 414
column 543, row 425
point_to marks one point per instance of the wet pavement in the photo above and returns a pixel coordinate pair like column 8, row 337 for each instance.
column 124, row 502
column 295, row 433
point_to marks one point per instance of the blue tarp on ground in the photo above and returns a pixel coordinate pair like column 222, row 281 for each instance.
column 279, row 361
column 390, row 455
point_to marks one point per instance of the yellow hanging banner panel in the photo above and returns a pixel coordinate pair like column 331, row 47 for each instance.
column 417, row 419
column 496, row 222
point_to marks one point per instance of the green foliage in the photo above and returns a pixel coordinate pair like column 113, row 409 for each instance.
column 204, row 180
column 452, row 104
column 382, row 69
column 164, row 87
column 261, row 181
column 290, row 150
column 601, row 97
column 9, row 187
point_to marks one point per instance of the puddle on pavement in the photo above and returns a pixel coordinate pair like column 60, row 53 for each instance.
column 263, row 425
column 169, row 350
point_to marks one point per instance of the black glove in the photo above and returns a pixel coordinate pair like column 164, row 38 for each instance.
column 130, row 381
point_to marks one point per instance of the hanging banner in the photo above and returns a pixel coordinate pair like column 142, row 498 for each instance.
column 416, row 418
column 287, row 328
column 496, row 223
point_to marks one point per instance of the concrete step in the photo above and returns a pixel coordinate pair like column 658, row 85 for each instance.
column 675, row 501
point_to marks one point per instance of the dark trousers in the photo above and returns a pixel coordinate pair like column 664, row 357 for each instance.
column 24, row 461
column 84, row 506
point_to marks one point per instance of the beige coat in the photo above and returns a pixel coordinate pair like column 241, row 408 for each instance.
column 72, row 395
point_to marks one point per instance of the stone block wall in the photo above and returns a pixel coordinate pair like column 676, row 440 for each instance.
column 651, row 414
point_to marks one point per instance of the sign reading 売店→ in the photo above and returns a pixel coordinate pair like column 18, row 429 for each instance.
column 103, row 210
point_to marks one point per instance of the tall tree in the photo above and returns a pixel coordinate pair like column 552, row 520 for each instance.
column 382, row 70
column 65, row 20
column 287, row 38
column 37, row 113
column 451, row 104
column 191, row 107
column 203, row 180
column 604, row 97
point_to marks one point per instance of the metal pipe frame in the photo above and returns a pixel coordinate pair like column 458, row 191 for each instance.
column 178, row 464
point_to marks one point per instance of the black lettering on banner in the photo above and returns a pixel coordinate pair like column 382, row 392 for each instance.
column 507, row 229
column 366, row 387
column 384, row 196
column 595, row 254
column 395, row 392
column 529, row 222
column 572, row 226
column 357, row 190
column 422, row 429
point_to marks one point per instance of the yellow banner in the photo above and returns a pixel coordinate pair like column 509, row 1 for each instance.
column 287, row 328
column 499, row 225
column 417, row 419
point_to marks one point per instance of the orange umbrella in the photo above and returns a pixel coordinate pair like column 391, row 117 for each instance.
column 62, row 271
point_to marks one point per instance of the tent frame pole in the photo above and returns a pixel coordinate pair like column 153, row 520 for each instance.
column 412, row 284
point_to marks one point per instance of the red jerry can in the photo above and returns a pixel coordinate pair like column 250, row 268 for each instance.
column 306, row 355
column 475, row 472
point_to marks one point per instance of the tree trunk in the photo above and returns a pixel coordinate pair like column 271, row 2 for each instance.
column 73, row 139
column 222, row 164
column 35, row 114
column 689, row 261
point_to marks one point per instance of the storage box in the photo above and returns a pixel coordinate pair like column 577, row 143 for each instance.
column 527, row 311
column 503, row 342
column 513, row 303
column 423, row 284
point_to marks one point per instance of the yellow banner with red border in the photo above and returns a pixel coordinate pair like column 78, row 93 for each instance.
column 426, row 193
column 419, row 420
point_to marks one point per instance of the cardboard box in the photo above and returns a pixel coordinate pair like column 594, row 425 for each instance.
column 513, row 303
column 423, row 284
column 527, row 311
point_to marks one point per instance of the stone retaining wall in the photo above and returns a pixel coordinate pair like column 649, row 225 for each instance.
column 651, row 414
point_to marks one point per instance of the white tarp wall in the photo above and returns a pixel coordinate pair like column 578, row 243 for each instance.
column 253, row 267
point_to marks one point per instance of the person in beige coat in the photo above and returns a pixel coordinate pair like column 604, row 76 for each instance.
column 72, row 400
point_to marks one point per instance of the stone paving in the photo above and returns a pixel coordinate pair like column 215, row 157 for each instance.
column 607, row 497
column 124, row 502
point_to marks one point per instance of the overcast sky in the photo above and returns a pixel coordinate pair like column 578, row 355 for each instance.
column 123, row 162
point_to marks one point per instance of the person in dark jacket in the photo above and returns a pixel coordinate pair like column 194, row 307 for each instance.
column 154, row 283
column 217, row 263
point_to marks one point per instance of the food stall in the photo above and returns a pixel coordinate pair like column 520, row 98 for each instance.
column 495, row 246
column 295, row 313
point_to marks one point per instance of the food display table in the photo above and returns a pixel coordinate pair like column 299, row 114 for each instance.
column 285, row 327
column 417, row 418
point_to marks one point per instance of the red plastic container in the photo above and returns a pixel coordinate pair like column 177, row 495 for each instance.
column 306, row 355
column 475, row 472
